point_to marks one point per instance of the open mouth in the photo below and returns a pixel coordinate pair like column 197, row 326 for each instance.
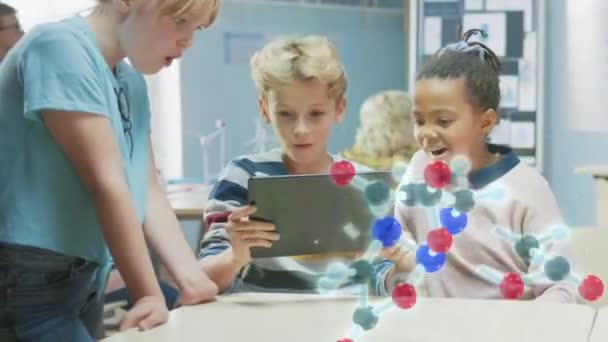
column 303, row 146
column 171, row 58
column 438, row 152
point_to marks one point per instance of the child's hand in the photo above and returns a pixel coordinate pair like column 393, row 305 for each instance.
column 245, row 234
column 404, row 260
column 147, row 313
column 201, row 291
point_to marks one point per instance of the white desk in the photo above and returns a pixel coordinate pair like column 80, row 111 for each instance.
column 600, row 174
column 600, row 327
column 188, row 204
column 286, row 318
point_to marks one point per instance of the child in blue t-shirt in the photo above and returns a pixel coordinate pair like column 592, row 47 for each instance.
column 77, row 180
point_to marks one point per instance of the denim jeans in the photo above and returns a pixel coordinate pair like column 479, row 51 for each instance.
column 46, row 296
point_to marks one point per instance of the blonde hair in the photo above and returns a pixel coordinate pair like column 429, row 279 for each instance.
column 289, row 59
column 386, row 132
column 179, row 7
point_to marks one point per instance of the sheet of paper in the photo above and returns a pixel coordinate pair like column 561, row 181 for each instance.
column 473, row 5
column 495, row 24
column 528, row 75
column 432, row 35
column 523, row 134
column 501, row 134
column 514, row 5
column 269, row 298
column 509, row 91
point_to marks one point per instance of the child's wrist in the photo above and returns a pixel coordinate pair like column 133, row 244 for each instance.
column 235, row 262
column 189, row 282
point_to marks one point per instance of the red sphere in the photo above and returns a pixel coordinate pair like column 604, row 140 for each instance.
column 404, row 296
column 346, row 340
column 437, row 174
column 342, row 172
column 592, row 288
column 512, row 286
column 439, row 240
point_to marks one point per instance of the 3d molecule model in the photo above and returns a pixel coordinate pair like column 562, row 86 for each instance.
column 446, row 198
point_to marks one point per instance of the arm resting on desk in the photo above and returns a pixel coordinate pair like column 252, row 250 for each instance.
column 164, row 234
column 216, row 257
column 221, row 268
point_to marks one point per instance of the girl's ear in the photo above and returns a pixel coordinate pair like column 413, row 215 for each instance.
column 489, row 119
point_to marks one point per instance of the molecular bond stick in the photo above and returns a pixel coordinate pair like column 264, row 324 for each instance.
column 446, row 199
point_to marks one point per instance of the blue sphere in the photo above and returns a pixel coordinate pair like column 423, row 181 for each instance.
column 387, row 230
column 454, row 224
column 430, row 262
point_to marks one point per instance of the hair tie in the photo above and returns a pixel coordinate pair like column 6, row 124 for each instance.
column 464, row 47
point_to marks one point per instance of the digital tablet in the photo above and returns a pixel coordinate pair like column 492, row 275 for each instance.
column 313, row 215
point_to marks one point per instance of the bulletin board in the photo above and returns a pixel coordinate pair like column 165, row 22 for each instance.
column 516, row 34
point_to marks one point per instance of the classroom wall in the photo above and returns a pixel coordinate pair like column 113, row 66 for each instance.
column 215, row 76
column 565, row 148
column 371, row 45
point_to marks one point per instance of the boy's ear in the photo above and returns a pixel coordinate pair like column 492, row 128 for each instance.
column 341, row 109
column 489, row 119
column 264, row 110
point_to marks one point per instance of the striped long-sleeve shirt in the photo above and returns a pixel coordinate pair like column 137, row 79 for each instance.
column 282, row 274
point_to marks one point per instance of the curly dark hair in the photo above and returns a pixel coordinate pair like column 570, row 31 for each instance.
column 474, row 61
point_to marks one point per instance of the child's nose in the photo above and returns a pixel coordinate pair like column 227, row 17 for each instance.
column 301, row 127
column 186, row 41
column 428, row 137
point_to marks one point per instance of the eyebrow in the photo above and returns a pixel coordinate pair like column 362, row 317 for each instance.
column 437, row 112
column 280, row 108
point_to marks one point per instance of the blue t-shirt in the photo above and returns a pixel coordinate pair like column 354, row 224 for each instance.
column 43, row 202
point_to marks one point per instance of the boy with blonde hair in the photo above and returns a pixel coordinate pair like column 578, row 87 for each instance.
column 78, row 187
column 386, row 134
column 301, row 84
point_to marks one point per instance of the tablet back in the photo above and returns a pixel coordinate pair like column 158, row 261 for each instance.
column 315, row 216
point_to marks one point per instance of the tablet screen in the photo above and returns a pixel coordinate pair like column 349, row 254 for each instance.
column 313, row 215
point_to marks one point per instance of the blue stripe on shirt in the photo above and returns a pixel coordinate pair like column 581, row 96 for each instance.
column 270, row 168
column 226, row 190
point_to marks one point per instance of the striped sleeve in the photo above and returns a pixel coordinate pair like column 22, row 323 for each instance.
column 378, row 280
column 229, row 193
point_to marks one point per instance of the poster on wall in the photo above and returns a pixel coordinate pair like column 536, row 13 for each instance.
column 495, row 24
column 523, row 135
column 432, row 35
column 509, row 91
column 514, row 5
column 527, row 75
